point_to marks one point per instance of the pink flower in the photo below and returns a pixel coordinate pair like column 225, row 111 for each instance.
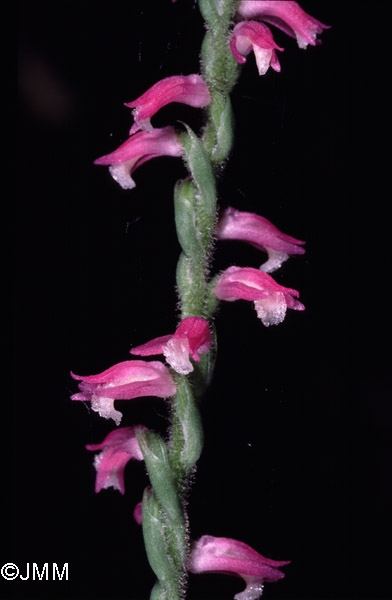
column 138, row 513
column 139, row 148
column 118, row 448
column 260, row 233
column 191, row 338
column 287, row 16
column 251, row 35
column 188, row 89
column 124, row 381
column 271, row 300
column 225, row 555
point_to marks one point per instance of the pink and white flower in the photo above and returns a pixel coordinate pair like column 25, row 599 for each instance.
column 260, row 233
column 138, row 149
column 124, row 381
column 271, row 300
column 224, row 555
column 287, row 16
column 117, row 449
column 191, row 338
column 252, row 35
column 187, row 89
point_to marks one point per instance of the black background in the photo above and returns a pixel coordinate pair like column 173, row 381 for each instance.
column 95, row 275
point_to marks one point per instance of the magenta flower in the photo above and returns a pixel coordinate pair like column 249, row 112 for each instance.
column 260, row 233
column 225, row 555
column 188, row 89
column 191, row 338
column 271, row 300
column 139, row 148
column 287, row 16
column 124, row 381
column 118, row 448
column 251, row 35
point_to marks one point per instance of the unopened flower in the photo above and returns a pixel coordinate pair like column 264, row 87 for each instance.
column 138, row 513
column 271, row 300
column 138, row 149
column 252, row 35
column 224, row 555
column 117, row 449
column 124, row 381
column 187, row 89
column 191, row 338
column 260, row 233
column 287, row 16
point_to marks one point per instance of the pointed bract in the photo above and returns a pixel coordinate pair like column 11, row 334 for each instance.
column 287, row 16
column 138, row 149
column 271, row 300
column 260, row 233
column 228, row 556
column 191, row 338
column 252, row 35
column 187, row 89
column 117, row 449
column 124, row 381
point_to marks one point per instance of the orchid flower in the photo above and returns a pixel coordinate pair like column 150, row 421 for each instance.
column 188, row 89
column 271, row 300
column 117, row 449
column 191, row 338
column 252, row 35
column 224, row 555
column 138, row 149
column 124, row 381
column 287, row 16
column 260, row 233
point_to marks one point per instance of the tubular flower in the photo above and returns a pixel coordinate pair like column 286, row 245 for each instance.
column 139, row 148
column 124, row 381
column 287, row 16
column 191, row 338
column 271, row 300
column 252, row 35
column 260, row 233
column 188, row 89
column 225, row 555
column 117, row 449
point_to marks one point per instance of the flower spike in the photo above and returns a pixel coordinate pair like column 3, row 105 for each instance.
column 260, row 233
column 191, row 338
column 117, row 449
column 271, row 300
column 124, row 381
column 187, row 89
column 252, row 35
column 285, row 15
column 139, row 148
column 224, row 555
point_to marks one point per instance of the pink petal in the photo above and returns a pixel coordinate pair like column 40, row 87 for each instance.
column 252, row 35
column 152, row 347
column 187, row 89
column 228, row 556
column 118, row 448
column 287, row 16
column 138, row 149
column 197, row 331
column 256, row 230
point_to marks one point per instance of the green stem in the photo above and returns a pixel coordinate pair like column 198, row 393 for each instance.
column 170, row 465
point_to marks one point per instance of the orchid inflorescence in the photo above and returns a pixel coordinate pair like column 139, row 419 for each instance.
column 233, row 30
